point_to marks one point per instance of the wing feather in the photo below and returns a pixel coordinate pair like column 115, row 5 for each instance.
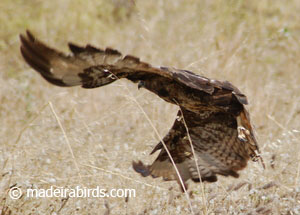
column 217, row 146
column 93, row 67
column 213, row 111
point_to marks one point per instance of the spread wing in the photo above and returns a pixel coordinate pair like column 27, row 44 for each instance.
column 221, row 146
column 213, row 111
column 91, row 67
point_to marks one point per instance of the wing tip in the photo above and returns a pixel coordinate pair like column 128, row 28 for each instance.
column 30, row 35
column 27, row 36
column 141, row 168
column 22, row 38
column 35, row 55
column 159, row 146
column 76, row 49
column 210, row 179
column 111, row 51
column 30, row 51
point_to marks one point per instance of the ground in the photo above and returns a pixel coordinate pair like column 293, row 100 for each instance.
column 68, row 137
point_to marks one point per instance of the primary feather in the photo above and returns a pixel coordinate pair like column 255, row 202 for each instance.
column 212, row 115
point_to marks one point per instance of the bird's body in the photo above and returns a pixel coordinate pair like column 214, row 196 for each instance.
column 212, row 119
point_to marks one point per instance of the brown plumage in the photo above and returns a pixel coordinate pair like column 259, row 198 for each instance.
column 212, row 113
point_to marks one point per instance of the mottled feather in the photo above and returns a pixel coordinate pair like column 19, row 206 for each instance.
column 212, row 115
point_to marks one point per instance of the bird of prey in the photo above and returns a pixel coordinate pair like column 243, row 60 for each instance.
column 212, row 133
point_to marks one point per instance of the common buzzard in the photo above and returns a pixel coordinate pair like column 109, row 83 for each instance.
column 212, row 133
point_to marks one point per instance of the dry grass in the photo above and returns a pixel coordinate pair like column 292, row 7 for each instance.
column 254, row 44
